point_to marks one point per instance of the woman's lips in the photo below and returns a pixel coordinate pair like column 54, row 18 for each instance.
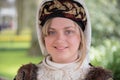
column 60, row 48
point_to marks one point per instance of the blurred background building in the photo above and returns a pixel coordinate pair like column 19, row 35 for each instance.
column 8, row 14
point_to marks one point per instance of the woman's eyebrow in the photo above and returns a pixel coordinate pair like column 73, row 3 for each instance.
column 69, row 27
column 50, row 28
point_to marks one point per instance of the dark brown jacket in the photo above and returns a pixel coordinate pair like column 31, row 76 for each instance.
column 28, row 72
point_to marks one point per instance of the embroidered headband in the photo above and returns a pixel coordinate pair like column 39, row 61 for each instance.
column 63, row 8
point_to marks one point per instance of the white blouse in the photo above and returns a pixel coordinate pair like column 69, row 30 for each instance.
column 49, row 70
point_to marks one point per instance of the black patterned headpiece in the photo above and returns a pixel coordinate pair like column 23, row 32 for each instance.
column 63, row 8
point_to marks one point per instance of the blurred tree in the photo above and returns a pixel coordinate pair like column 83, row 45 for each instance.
column 20, row 11
column 114, row 65
column 26, row 18
column 30, row 13
column 105, row 20
column 118, row 6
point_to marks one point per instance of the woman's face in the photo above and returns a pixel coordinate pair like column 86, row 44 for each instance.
column 63, row 40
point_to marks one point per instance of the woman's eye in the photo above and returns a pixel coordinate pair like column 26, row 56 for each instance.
column 68, row 32
column 51, row 32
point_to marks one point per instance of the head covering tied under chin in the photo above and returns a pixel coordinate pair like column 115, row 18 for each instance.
column 67, row 9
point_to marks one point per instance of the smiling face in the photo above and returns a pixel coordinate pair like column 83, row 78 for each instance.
column 63, row 40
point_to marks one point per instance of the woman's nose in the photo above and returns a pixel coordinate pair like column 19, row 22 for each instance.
column 60, row 37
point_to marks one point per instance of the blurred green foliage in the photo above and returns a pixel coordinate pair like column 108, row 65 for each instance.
column 105, row 50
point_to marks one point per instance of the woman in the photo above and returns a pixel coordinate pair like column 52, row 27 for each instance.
column 64, row 34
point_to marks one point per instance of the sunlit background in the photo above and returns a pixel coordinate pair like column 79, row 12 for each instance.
column 19, row 44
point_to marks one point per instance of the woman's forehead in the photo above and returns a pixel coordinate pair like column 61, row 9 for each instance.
column 61, row 23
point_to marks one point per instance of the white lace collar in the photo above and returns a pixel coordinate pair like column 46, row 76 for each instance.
column 48, row 63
